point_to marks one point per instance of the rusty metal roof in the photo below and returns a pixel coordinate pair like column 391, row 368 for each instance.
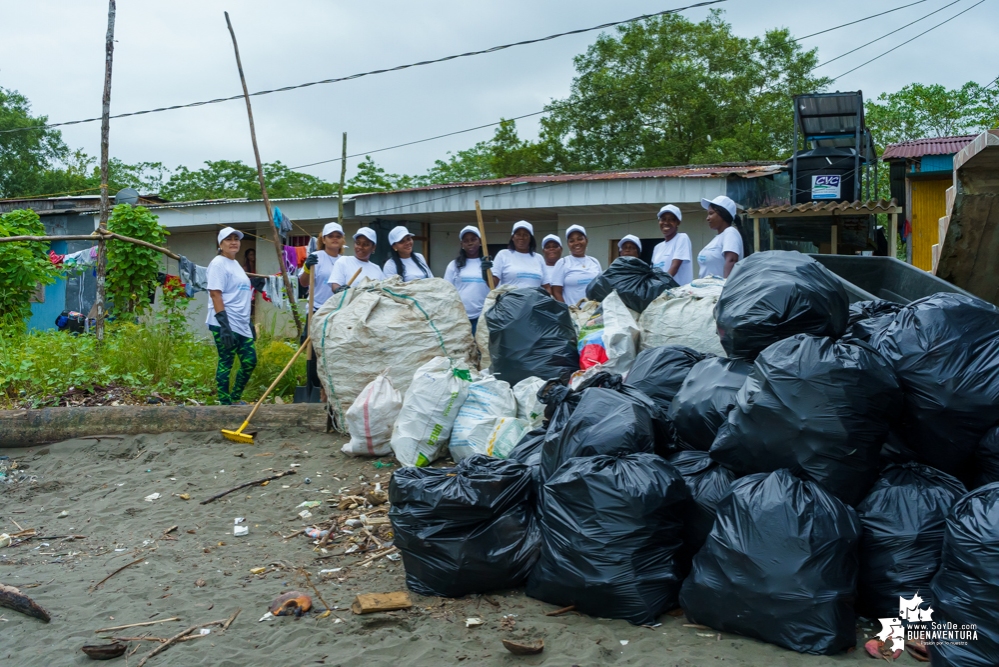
column 825, row 208
column 928, row 146
column 743, row 169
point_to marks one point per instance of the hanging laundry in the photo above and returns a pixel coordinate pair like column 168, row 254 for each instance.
column 282, row 223
column 290, row 258
column 194, row 277
column 56, row 259
column 312, row 245
column 301, row 252
column 274, row 293
column 81, row 258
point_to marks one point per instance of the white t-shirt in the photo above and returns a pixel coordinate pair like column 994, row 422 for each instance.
column 711, row 259
column 471, row 286
column 345, row 268
column 677, row 247
column 549, row 272
column 520, row 269
column 413, row 270
column 323, row 270
column 227, row 276
column 573, row 274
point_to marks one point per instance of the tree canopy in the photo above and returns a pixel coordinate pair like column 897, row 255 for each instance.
column 919, row 110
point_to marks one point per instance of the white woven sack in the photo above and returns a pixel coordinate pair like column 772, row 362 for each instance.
column 529, row 408
column 429, row 408
column 482, row 329
column 371, row 418
column 620, row 335
column 488, row 401
column 686, row 320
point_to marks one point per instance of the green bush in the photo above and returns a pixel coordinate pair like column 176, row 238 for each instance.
column 132, row 269
column 23, row 266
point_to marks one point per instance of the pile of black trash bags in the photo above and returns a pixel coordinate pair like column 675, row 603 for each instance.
column 841, row 458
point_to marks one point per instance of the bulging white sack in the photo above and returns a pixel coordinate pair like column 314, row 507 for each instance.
column 371, row 418
column 684, row 316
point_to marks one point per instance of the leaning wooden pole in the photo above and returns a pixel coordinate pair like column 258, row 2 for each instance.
column 102, row 251
column 343, row 178
column 278, row 244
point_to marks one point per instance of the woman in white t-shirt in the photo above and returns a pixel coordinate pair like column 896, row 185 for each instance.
column 322, row 261
column 402, row 261
column 229, row 296
column 718, row 257
column 551, row 251
column 673, row 255
column 467, row 272
column 573, row 273
column 365, row 241
column 519, row 265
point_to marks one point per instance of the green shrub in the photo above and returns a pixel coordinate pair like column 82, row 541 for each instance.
column 23, row 266
column 132, row 269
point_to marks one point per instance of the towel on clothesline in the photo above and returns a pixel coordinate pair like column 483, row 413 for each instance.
column 195, row 277
column 273, row 291
column 81, row 258
column 282, row 223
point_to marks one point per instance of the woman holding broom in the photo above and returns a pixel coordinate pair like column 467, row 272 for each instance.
column 229, row 298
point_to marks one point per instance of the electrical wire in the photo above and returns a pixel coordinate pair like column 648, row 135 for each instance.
column 866, row 18
column 909, row 41
column 397, row 68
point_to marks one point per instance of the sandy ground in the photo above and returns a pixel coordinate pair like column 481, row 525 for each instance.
column 101, row 485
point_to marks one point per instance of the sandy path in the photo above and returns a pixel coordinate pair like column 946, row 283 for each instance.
column 102, row 486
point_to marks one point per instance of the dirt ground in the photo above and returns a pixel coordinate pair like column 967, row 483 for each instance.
column 201, row 572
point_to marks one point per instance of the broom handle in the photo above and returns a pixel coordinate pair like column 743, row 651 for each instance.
column 482, row 234
column 285, row 369
column 312, row 294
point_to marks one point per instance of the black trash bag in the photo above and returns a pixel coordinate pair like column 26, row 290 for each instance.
column 773, row 295
column 705, row 397
column 468, row 529
column 945, row 351
column 869, row 317
column 819, row 407
column 612, row 527
column 605, row 422
column 779, row 565
column 966, row 588
column 986, row 465
column 708, row 482
column 530, row 334
column 895, row 451
column 528, row 450
column 660, row 371
column 903, row 525
column 637, row 283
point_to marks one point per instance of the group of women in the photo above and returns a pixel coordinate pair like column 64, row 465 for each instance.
column 519, row 265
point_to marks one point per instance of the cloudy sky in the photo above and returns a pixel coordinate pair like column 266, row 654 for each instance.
column 179, row 51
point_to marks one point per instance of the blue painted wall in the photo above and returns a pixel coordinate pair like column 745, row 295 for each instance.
column 936, row 163
column 43, row 315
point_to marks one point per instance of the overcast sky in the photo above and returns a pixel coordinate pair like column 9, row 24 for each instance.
column 179, row 51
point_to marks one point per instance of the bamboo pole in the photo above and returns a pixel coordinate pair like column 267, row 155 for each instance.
column 278, row 244
column 102, row 252
column 490, row 281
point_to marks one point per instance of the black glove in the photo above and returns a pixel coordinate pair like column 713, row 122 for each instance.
column 312, row 259
column 225, row 331
column 486, row 265
column 341, row 288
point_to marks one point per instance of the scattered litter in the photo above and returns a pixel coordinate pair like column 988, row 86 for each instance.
column 533, row 648
column 296, row 465
column 308, row 481
column 316, row 534
column 266, row 617
column 104, row 651
column 150, row 498
column 331, row 571
column 624, row 642
column 382, row 464
column 240, row 531
column 393, row 557
column 368, row 603
column 473, row 622
column 4, row 540
column 258, row 570
column 309, row 503
column 305, row 514
column 238, row 520
column 63, row 514
column 292, row 603
column 184, row 496
column 204, row 631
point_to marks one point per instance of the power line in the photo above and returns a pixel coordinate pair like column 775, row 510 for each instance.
column 909, row 41
column 397, row 68
column 872, row 16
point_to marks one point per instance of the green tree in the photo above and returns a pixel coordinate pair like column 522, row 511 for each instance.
column 233, row 179
column 917, row 111
column 667, row 91
column 28, row 158
column 132, row 269
column 372, row 178
column 23, row 266
column 471, row 164
column 506, row 154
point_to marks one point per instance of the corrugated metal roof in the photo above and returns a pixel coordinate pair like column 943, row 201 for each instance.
column 744, row 169
column 928, row 146
column 830, row 207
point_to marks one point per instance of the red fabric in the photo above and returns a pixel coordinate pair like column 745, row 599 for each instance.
column 302, row 252
column 54, row 258
column 591, row 355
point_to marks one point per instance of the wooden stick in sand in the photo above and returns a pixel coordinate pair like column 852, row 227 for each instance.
column 101, row 582
column 243, row 486
column 225, row 622
column 563, row 610
column 137, row 625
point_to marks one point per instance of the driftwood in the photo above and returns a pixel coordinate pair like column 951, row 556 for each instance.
column 27, row 428
column 369, row 603
column 137, row 625
column 14, row 599
column 563, row 610
column 127, row 565
column 225, row 623
column 243, row 486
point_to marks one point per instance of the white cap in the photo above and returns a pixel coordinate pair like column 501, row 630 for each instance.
column 575, row 228
column 630, row 237
column 469, row 230
column 551, row 237
column 227, row 232
column 398, row 234
column 367, row 233
column 523, row 224
column 724, row 202
column 669, row 208
column 331, row 227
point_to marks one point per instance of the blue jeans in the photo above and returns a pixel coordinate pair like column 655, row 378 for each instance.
column 474, row 321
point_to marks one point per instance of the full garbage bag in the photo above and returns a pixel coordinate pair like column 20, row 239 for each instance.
column 468, row 529
column 360, row 332
column 708, row 482
column 945, row 350
column 903, row 527
column 637, row 283
column 773, row 295
column 529, row 406
column 530, row 334
column 371, row 418
column 819, row 407
column 869, row 317
column 487, row 421
column 609, row 338
column 611, row 531
column 986, row 464
column 705, row 397
column 685, row 316
column 482, row 328
column 966, row 588
column 779, row 565
column 659, row 372
column 428, row 411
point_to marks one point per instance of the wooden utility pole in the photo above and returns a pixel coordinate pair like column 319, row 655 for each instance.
column 278, row 244
column 102, row 250
column 343, row 177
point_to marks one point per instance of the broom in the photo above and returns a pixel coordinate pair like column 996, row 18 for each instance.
column 238, row 435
